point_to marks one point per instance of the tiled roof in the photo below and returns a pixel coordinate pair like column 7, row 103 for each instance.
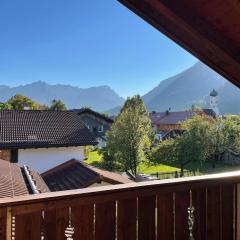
column 34, row 128
column 178, row 117
column 13, row 181
column 82, row 111
column 74, row 174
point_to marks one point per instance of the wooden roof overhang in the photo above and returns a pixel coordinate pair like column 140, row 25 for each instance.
column 209, row 29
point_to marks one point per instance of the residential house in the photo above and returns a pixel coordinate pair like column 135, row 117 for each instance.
column 168, row 124
column 97, row 123
column 42, row 139
column 75, row 174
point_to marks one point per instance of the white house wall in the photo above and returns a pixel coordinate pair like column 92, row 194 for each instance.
column 43, row 159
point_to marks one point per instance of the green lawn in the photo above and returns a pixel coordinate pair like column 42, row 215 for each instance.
column 95, row 159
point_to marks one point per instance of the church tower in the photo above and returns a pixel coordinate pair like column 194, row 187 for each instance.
column 214, row 101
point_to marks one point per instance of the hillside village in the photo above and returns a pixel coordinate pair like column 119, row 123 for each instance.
column 47, row 148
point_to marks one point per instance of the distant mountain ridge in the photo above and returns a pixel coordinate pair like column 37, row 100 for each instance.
column 99, row 98
column 192, row 87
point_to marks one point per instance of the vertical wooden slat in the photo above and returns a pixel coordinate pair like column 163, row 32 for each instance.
column 165, row 217
column 182, row 202
column 28, row 226
column 3, row 223
column 227, row 212
column 82, row 221
column 199, row 203
column 105, row 217
column 214, row 213
column 55, row 223
column 237, row 213
column 147, row 218
column 127, row 219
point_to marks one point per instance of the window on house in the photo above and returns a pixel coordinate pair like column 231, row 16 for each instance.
column 100, row 128
column 14, row 156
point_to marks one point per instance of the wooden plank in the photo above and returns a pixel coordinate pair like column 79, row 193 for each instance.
column 227, row 212
column 28, row 226
column 237, row 212
column 214, row 223
column 199, row 203
column 105, row 217
column 83, row 222
column 127, row 219
column 55, row 223
column 165, row 217
column 3, row 221
column 147, row 218
column 182, row 202
column 121, row 191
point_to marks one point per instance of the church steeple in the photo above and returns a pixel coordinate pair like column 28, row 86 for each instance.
column 214, row 101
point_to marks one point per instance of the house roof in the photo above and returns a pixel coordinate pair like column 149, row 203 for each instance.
column 82, row 111
column 13, row 181
column 172, row 118
column 36, row 129
column 207, row 29
column 74, row 174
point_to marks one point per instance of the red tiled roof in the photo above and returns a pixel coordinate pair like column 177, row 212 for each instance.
column 13, row 181
column 75, row 174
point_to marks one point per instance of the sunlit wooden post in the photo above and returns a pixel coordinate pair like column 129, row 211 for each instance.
column 9, row 224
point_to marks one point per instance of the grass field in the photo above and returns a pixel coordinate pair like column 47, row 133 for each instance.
column 95, row 159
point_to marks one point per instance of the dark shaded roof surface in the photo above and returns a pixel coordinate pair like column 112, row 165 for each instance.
column 35, row 128
column 172, row 118
column 13, row 181
column 82, row 111
column 74, row 174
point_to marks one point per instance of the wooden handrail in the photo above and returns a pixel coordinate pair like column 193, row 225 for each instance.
column 227, row 177
column 134, row 209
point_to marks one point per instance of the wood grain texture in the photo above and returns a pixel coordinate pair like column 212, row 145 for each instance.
column 3, row 221
column 165, row 217
column 147, row 218
column 83, row 221
column 214, row 215
column 105, row 225
column 182, row 202
column 28, row 226
column 199, row 202
column 127, row 219
column 55, row 223
column 227, row 212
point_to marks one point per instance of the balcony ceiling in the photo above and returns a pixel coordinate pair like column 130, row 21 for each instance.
column 209, row 29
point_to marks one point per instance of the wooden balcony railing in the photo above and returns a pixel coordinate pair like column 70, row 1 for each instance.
column 205, row 207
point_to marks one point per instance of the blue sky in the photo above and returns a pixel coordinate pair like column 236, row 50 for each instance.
column 84, row 43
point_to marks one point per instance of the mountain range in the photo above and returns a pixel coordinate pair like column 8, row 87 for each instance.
column 180, row 92
column 99, row 98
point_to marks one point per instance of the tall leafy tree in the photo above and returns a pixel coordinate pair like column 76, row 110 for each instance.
column 130, row 136
column 58, row 105
column 20, row 102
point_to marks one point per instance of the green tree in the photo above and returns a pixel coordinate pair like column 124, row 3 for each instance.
column 58, row 105
column 5, row 106
column 20, row 102
column 131, row 134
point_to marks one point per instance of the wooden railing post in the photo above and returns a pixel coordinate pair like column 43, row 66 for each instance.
column 237, row 214
column 9, row 224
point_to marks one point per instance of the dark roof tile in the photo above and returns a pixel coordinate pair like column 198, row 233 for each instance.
column 33, row 128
